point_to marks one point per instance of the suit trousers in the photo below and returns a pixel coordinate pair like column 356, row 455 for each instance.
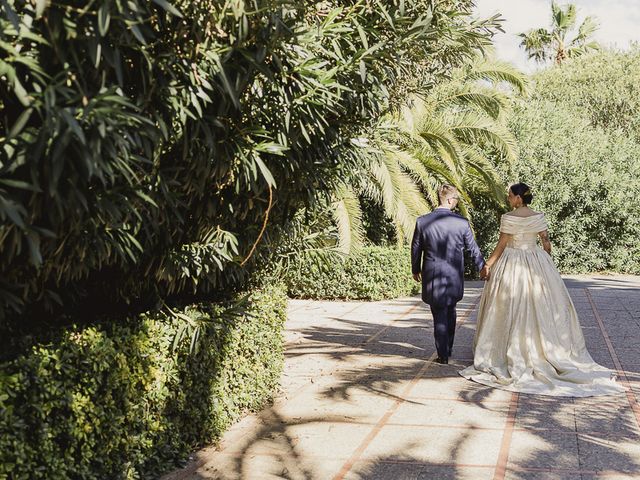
column 444, row 328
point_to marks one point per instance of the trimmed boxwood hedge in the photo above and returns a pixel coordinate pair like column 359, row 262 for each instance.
column 131, row 400
column 375, row 273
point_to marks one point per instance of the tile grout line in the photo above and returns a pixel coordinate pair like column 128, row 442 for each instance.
column 348, row 465
column 503, row 456
column 631, row 398
column 575, row 429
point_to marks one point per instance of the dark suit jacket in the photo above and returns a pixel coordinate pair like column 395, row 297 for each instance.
column 437, row 250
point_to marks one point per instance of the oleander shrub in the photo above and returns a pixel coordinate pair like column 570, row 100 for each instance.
column 146, row 147
column 130, row 399
column 375, row 273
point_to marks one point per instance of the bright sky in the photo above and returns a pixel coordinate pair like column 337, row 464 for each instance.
column 619, row 23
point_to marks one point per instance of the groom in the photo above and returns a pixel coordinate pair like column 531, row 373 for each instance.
column 437, row 258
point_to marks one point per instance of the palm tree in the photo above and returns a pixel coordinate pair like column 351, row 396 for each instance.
column 446, row 136
column 555, row 44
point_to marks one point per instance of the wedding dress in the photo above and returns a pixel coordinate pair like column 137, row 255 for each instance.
column 528, row 337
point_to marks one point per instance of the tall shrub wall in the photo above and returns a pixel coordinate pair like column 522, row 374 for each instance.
column 580, row 152
column 129, row 400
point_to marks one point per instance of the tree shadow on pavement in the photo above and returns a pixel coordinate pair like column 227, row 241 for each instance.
column 371, row 367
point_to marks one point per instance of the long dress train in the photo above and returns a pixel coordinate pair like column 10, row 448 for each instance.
column 528, row 336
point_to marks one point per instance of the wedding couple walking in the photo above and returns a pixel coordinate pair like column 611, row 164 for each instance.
column 528, row 336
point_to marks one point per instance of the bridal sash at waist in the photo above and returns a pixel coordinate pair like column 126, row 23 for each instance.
column 523, row 246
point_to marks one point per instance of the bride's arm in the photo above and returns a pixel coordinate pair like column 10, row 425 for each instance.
column 544, row 239
column 502, row 243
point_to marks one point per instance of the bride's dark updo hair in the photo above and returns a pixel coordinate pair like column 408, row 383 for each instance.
column 523, row 191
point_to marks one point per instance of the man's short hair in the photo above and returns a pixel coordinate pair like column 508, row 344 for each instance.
column 447, row 191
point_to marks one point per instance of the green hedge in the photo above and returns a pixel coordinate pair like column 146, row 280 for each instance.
column 580, row 153
column 130, row 401
column 584, row 178
column 374, row 274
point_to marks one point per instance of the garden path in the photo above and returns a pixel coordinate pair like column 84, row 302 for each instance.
column 361, row 398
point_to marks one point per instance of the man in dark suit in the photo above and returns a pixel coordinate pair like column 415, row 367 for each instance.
column 437, row 258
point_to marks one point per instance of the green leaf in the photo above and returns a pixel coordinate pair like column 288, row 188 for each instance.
column 20, row 123
column 271, row 147
column 40, row 6
column 21, row 93
column 265, row 171
column 385, row 14
column 18, row 184
column 168, row 7
column 33, row 241
column 225, row 81
column 137, row 33
column 104, row 18
column 74, row 125
column 363, row 36
column 11, row 14
column 13, row 211
column 146, row 198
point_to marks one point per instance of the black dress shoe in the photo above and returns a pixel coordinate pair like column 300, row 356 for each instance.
column 442, row 360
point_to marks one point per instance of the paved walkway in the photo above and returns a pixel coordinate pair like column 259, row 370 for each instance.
column 362, row 399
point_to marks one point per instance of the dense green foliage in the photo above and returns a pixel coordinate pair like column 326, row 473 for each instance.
column 144, row 146
column 125, row 401
column 602, row 88
column 375, row 273
column 579, row 144
column 452, row 133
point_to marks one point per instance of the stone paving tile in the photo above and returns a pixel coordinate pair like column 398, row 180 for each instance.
column 266, row 467
column 435, row 445
column 357, row 408
column 543, row 449
column 308, row 436
column 536, row 412
column 618, row 419
column 403, row 469
column 456, row 387
column 611, row 453
column 538, row 475
column 450, row 413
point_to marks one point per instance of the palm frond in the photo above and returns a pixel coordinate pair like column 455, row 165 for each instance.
column 586, row 30
column 348, row 217
column 563, row 17
column 537, row 43
column 578, row 51
column 472, row 128
column 385, row 174
column 369, row 188
column 437, row 135
column 423, row 176
column 440, row 169
column 492, row 102
column 482, row 168
column 497, row 72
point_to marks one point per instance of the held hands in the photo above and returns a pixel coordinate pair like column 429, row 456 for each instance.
column 485, row 273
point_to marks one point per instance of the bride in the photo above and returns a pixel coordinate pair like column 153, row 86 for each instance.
column 528, row 337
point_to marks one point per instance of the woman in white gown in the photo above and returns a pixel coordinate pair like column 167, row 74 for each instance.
column 528, row 337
